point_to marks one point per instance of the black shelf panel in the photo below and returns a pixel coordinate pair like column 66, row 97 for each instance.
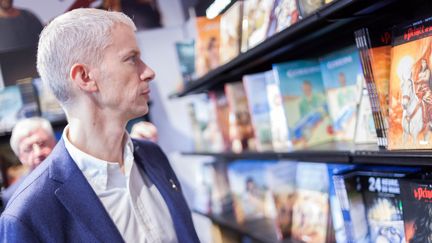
column 261, row 230
column 334, row 152
column 337, row 153
column 334, row 23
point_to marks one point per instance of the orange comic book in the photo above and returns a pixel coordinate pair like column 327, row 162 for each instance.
column 410, row 111
column 207, row 45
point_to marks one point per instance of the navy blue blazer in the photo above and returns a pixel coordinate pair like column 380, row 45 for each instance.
column 55, row 203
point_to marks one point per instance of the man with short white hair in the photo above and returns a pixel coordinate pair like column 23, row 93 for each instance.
column 32, row 140
column 98, row 185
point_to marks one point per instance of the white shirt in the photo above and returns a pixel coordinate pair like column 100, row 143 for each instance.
column 134, row 203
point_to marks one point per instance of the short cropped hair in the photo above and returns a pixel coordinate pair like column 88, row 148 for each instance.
column 25, row 126
column 78, row 36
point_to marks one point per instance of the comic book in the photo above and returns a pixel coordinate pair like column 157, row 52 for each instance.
column 206, row 133
column 283, row 15
column 207, row 45
column 417, row 208
column 307, row 7
column 230, row 31
column 343, row 78
column 186, row 58
column 256, row 20
column 365, row 127
column 281, row 180
column 250, row 190
column 241, row 131
column 220, row 104
column 410, row 108
column 375, row 46
column 305, row 104
column 383, row 202
column 311, row 211
column 254, row 85
column 28, row 96
column 11, row 103
column 50, row 107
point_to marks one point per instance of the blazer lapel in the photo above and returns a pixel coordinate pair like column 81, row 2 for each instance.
column 79, row 199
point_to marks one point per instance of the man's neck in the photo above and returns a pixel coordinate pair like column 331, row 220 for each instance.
column 101, row 138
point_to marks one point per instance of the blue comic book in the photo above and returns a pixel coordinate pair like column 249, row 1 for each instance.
column 343, row 80
column 304, row 101
column 11, row 104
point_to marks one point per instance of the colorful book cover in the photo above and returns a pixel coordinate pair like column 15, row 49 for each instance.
column 230, row 32
column 417, row 209
column 311, row 208
column 410, row 113
column 28, row 96
column 256, row 20
column 307, row 7
column 279, row 128
column 251, row 195
column 49, row 106
column 207, row 136
column 207, row 45
column 254, row 85
column 281, row 180
column 343, row 76
column 383, row 202
column 11, row 103
column 365, row 125
column 283, row 15
column 304, row 101
column 220, row 104
column 240, row 126
column 186, row 59
column 335, row 208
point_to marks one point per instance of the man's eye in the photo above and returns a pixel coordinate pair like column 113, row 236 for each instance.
column 132, row 59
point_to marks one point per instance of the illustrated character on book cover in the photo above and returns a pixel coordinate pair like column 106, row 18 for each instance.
column 411, row 95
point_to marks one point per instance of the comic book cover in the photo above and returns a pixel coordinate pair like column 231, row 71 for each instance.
column 283, row 15
column 220, row 104
column 352, row 206
column 250, row 190
column 186, row 58
column 335, row 208
column 305, row 104
column 207, row 45
column 343, row 77
column 49, row 106
column 383, row 202
column 307, row 7
column 254, row 85
column 281, row 180
column 230, row 31
column 256, row 20
column 11, row 103
column 311, row 207
column 206, row 133
column 241, row 131
column 410, row 113
column 365, row 125
column 417, row 209
column 30, row 106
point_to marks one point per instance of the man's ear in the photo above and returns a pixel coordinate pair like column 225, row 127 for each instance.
column 80, row 75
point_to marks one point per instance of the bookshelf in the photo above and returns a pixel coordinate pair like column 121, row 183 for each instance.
column 332, row 26
column 260, row 230
column 328, row 29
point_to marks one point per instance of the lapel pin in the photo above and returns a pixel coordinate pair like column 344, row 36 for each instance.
column 173, row 185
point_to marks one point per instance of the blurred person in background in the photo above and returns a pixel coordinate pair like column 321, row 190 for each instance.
column 32, row 140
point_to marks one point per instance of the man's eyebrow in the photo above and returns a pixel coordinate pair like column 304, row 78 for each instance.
column 130, row 52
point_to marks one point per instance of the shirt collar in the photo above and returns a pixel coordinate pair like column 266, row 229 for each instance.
column 99, row 172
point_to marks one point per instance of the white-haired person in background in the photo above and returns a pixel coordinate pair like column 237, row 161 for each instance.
column 98, row 184
column 32, row 140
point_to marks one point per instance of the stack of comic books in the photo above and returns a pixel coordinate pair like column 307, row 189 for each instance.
column 207, row 45
column 410, row 116
column 256, row 20
column 230, row 32
column 375, row 46
column 186, row 58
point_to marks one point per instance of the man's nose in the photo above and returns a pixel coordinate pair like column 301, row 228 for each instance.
column 147, row 74
column 36, row 149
